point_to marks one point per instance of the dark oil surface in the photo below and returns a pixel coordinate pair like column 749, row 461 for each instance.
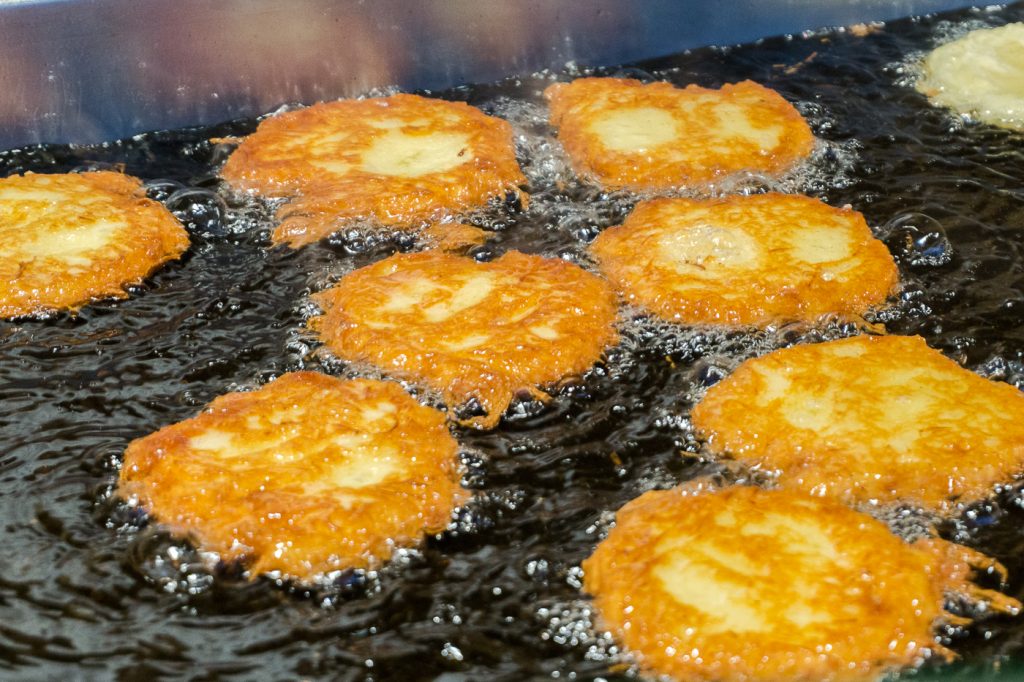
column 88, row 590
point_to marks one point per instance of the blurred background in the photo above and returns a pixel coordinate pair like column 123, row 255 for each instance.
column 84, row 71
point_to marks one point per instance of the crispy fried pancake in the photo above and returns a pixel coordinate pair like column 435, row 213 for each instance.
column 70, row 239
column 981, row 75
column 399, row 161
column 749, row 584
column 470, row 330
column 307, row 475
column 869, row 419
column 746, row 260
column 621, row 133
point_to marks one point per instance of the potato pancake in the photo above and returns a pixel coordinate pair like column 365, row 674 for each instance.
column 749, row 584
column 70, row 239
column 472, row 331
column 980, row 75
column 869, row 420
column 746, row 260
column 621, row 133
column 400, row 161
column 307, row 475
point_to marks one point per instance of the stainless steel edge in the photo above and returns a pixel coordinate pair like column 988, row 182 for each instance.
column 85, row 71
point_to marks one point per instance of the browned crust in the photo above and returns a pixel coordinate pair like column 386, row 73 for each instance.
column 875, row 600
column 453, row 237
column 280, row 160
column 700, row 153
column 869, row 419
column 258, row 505
column 488, row 351
column 41, row 269
column 639, row 259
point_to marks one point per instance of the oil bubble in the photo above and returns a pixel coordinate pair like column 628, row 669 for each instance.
column 917, row 239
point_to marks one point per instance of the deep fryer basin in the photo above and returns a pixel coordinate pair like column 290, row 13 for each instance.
column 88, row 592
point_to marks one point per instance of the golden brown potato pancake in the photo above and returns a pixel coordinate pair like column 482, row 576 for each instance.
column 870, row 419
column 749, row 584
column 746, row 260
column 69, row 239
column 469, row 330
column 399, row 161
column 307, row 475
column 622, row 133
column 980, row 75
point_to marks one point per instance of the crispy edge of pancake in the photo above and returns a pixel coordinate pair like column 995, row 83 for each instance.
column 454, row 238
column 493, row 334
column 307, row 475
column 577, row 106
column 77, row 204
column 780, row 413
column 281, row 160
column 780, row 287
